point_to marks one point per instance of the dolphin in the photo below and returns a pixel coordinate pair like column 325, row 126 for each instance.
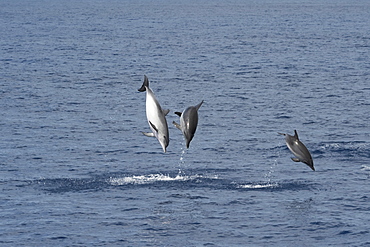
column 156, row 116
column 298, row 149
column 188, row 122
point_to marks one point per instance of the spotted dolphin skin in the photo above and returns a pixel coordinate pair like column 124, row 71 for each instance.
column 156, row 116
column 188, row 122
column 298, row 149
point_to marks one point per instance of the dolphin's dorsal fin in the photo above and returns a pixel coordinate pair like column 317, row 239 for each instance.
column 296, row 134
column 177, row 125
column 145, row 84
column 155, row 128
column 178, row 113
column 165, row 112
column 199, row 105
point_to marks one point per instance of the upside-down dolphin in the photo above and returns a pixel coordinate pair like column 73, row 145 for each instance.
column 188, row 122
column 298, row 149
column 156, row 116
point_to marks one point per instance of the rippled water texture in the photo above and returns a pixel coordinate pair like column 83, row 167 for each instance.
column 75, row 169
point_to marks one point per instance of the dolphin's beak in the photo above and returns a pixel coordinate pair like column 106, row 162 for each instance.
column 163, row 147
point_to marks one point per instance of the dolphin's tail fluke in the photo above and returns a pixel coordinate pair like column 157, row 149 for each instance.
column 145, row 84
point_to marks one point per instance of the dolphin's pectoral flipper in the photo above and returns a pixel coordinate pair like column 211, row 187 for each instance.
column 178, row 113
column 148, row 134
column 177, row 125
column 155, row 128
column 165, row 112
column 296, row 159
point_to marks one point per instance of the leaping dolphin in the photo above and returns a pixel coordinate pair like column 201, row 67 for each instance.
column 298, row 149
column 188, row 122
column 156, row 116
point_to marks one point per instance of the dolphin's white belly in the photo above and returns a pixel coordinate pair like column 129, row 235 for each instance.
column 152, row 111
column 154, row 114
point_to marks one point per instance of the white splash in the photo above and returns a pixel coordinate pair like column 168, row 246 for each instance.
column 256, row 186
column 151, row 178
column 181, row 163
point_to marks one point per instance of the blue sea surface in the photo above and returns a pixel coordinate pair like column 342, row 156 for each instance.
column 75, row 169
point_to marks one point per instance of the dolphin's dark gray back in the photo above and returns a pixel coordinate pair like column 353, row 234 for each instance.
column 298, row 149
column 188, row 122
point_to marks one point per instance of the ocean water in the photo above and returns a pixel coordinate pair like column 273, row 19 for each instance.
column 75, row 169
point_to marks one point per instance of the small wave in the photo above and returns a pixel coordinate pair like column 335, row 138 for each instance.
column 152, row 178
column 350, row 149
column 365, row 168
column 350, row 146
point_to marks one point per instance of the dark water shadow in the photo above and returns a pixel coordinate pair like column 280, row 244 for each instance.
column 165, row 181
